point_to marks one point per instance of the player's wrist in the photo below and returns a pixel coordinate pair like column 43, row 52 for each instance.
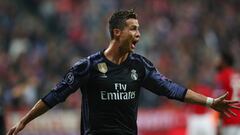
column 209, row 101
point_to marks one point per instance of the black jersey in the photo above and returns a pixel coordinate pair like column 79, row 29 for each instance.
column 110, row 92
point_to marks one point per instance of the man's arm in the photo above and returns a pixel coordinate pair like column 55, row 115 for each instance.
column 219, row 104
column 195, row 98
column 76, row 76
column 38, row 109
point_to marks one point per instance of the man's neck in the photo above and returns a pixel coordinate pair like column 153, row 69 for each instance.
column 114, row 54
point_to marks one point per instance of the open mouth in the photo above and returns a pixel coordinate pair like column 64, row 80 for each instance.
column 133, row 46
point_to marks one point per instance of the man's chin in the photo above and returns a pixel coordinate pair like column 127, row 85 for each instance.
column 131, row 50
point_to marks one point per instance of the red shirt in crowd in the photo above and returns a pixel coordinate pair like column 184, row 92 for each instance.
column 229, row 80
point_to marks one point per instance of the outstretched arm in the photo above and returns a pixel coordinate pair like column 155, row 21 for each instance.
column 76, row 76
column 39, row 108
column 219, row 104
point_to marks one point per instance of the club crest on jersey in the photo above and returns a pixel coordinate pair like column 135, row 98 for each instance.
column 134, row 74
column 102, row 67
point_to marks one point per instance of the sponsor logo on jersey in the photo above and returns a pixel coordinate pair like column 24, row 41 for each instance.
column 134, row 74
column 120, row 93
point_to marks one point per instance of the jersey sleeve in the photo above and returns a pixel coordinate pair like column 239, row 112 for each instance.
column 75, row 77
column 161, row 85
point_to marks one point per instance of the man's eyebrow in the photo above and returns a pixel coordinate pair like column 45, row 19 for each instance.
column 134, row 26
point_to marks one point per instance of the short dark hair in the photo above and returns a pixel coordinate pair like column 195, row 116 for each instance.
column 118, row 19
column 227, row 57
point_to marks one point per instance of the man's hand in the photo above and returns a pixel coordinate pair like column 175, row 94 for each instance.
column 224, row 106
column 39, row 108
column 16, row 129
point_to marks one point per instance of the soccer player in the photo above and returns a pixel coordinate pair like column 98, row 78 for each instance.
column 229, row 80
column 110, row 81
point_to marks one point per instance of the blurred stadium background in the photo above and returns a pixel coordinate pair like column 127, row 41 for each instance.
column 40, row 39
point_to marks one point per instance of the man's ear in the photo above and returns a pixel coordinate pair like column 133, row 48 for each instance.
column 116, row 32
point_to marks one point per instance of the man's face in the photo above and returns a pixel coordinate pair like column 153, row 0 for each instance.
column 129, row 36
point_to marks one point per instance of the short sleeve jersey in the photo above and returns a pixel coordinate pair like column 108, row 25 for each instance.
column 110, row 92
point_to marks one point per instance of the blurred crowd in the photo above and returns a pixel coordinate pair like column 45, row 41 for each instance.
column 41, row 39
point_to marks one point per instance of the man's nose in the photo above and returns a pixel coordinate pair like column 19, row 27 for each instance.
column 138, row 35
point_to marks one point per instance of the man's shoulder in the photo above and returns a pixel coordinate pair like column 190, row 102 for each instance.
column 143, row 60
column 94, row 56
column 86, row 62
